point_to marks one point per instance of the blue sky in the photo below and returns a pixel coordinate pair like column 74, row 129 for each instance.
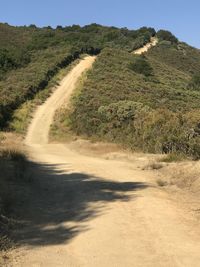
column 179, row 16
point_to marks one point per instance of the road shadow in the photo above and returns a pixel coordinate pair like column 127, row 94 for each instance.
column 60, row 203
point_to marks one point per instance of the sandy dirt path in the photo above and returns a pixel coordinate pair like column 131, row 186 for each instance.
column 148, row 46
column 91, row 211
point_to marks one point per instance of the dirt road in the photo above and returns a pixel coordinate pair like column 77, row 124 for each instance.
column 98, row 211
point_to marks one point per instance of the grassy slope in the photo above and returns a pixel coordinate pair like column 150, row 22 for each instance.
column 182, row 57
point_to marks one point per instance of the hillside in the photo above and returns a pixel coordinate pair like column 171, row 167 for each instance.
column 31, row 56
column 148, row 102
column 126, row 98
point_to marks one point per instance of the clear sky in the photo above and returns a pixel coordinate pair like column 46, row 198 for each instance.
column 182, row 17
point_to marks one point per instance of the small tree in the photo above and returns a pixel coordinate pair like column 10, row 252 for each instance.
column 33, row 26
column 167, row 36
column 59, row 27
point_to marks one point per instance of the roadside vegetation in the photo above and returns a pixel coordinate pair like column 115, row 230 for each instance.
column 21, row 117
column 15, row 186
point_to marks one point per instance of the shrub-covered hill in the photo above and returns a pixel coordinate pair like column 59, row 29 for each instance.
column 30, row 56
column 148, row 102
column 144, row 102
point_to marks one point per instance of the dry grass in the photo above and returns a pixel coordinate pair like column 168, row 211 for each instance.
column 153, row 165
column 173, row 157
column 13, row 173
column 182, row 176
column 13, row 154
column 161, row 182
column 185, row 176
column 14, row 184
column 60, row 129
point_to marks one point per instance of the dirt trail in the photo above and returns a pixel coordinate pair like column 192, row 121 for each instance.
column 39, row 128
column 92, row 211
column 145, row 48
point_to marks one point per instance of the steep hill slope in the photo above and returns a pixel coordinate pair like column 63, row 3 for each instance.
column 30, row 56
column 144, row 102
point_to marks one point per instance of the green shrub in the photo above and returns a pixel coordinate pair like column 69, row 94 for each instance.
column 167, row 36
column 165, row 43
column 140, row 41
column 140, row 65
column 121, row 111
column 194, row 84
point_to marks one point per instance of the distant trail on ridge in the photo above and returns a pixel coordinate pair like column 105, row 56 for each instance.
column 145, row 48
